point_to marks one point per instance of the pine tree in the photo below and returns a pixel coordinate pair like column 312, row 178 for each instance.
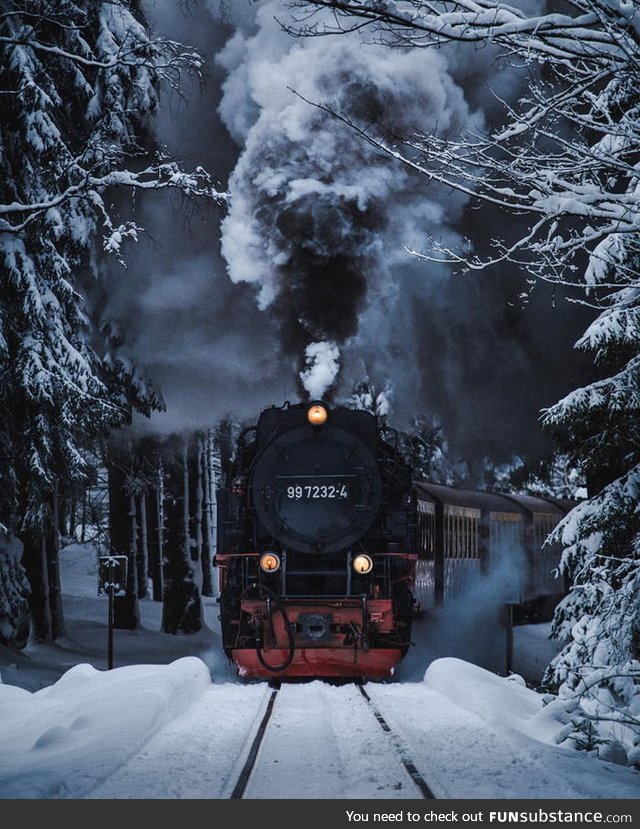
column 78, row 83
column 182, row 605
column 599, row 621
column 14, row 593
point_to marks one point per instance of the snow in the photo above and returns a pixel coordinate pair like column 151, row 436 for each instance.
column 180, row 728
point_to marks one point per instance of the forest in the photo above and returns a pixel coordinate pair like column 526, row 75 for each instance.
column 82, row 84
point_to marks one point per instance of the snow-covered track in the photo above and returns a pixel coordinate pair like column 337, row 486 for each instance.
column 315, row 737
column 410, row 767
column 245, row 774
column 314, row 740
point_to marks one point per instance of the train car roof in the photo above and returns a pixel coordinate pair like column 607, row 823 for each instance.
column 492, row 501
column 536, row 503
column 466, row 497
column 565, row 504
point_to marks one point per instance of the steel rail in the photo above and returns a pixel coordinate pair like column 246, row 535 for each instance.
column 410, row 767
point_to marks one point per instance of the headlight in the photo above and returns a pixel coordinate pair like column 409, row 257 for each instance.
column 317, row 414
column 270, row 562
column 362, row 564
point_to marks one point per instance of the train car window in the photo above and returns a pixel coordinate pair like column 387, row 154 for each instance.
column 462, row 532
column 426, row 529
column 506, row 536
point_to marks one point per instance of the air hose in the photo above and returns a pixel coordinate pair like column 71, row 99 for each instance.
column 291, row 649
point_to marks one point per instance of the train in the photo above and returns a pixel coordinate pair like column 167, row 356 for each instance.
column 465, row 535
column 328, row 549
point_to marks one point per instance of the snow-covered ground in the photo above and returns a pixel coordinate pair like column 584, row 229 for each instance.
column 179, row 728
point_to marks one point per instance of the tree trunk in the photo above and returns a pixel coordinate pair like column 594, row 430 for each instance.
column 126, row 613
column 155, row 518
column 132, row 570
column 83, row 516
column 182, row 606
column 206, row 553
column 34, row 561
column 193, row 507
column 73, row 509
column 142, row 558
column 60, row 516
column 58, row 628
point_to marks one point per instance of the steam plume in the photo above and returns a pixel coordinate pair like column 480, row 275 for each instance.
column 322, row 368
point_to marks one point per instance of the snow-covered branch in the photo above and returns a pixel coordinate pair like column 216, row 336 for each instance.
column 167, row 175
column 573, row 193
column 160, row 55
column 562, row 37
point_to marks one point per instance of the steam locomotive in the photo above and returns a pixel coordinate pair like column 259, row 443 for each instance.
column 328, row 550
column 317, row 546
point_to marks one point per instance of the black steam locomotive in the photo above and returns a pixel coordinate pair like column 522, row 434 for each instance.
column 317, row 546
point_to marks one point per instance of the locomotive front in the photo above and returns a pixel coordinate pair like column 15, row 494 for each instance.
column 316, row 546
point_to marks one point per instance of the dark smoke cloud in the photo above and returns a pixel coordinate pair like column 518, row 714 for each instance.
column 314, row 244
column 320, row 223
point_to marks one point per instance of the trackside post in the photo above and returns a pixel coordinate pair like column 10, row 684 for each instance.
column 112, row 579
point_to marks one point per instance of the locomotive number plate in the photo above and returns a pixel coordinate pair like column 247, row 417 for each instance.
column 317, row 488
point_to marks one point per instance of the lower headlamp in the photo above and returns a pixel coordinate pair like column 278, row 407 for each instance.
column 270, row 562
column 362, row 564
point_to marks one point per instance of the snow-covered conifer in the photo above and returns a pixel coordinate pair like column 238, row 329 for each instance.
column 79, row 82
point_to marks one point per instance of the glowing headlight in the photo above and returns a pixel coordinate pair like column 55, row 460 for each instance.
column 270, row 562
column 362, row 564
column 317, row 414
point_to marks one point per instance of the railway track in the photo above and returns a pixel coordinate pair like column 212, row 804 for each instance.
column 250, row 762
column 410, row 767
column 333, row 729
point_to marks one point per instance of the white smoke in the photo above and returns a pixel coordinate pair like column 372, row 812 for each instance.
column 322, row 368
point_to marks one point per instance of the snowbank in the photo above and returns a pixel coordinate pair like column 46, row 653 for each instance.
column 89, row 723
column 506, row 701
